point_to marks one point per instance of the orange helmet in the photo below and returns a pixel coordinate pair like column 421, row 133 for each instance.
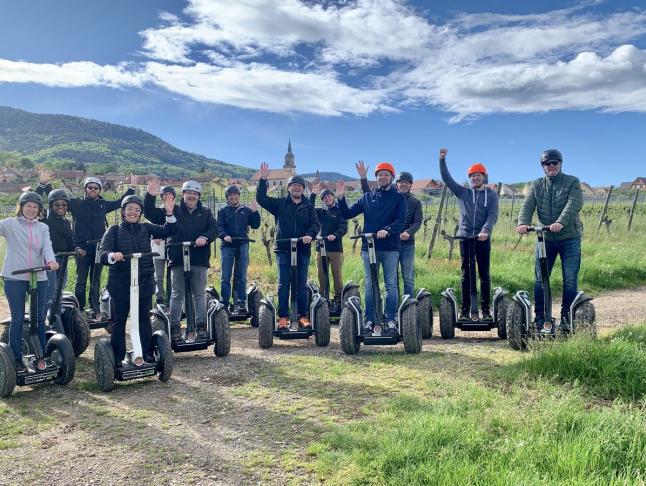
column 477, row 168
column 385, row 166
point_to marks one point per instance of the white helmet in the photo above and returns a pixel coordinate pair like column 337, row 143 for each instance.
column 192, row 186
column 92, row 180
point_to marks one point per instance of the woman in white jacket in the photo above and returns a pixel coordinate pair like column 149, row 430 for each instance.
column 28, row 246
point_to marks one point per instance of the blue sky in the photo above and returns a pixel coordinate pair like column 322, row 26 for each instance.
column 495, row 82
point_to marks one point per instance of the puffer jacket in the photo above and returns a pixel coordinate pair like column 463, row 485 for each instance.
column 557, row 199
column 28, row 246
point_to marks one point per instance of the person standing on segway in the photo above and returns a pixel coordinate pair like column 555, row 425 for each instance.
column 478, row 215
column 195, row 223
column 234, row 221
column 159, row 246
column 133, row 236
column 333, row 229
column 295, row 218
column 28, row 246
column 89, row 213
column 557, row 199
column 384, row 211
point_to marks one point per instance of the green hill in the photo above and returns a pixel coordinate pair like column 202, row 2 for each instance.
column 63, row 141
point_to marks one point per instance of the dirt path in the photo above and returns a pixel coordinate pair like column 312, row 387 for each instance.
column 206, row 426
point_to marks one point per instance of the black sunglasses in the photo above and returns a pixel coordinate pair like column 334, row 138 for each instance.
column 61, row 204
column 551, row 162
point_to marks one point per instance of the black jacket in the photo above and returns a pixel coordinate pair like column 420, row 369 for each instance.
column 132, row 238
column 235, row 221
column 60, row 232
column 413, row 220
column 292, row 220
column 332, row 223
column 190, row 226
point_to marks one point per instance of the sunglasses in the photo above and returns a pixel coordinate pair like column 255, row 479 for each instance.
column 551, row 162
column 92, row 188
column 61, row 204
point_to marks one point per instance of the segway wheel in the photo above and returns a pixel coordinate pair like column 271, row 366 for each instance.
column 157, row 324
column 447, row 316
column 254, row 304
column 516, row 333
column 78, row 330
column 60, row 351
column 350, row 342
column 7, row 372
column 585, row 320
column 24, row 340
column 501, row 317
column 164, row 355
column 221, row 333
column 322, row 320
column 265, row 326
column 104, row 364
column 425, row 316
column 351, row 292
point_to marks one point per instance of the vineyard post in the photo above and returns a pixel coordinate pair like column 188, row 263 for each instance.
column 632, row 209
column 605, row 209
column 438, row 221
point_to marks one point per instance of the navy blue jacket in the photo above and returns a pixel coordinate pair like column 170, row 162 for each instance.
column 382, row 209
column 234, row 221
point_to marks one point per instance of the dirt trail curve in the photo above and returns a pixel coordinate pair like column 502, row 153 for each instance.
column 206, row 426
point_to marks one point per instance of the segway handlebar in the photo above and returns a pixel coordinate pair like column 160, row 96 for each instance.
column 141, row 255
column 288, row 240
column 29, row 270
column 66, row 253
column 182, row 243
column 89, row 242
column 362, row 235
column 242, row 240
column 539, row 229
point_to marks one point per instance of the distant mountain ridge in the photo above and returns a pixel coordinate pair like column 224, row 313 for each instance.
column 57, row 140
column 331, row 176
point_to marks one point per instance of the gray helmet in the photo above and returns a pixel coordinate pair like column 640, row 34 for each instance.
column 166, row 189
column 405, row 176
column 296, row 179
column 232, row 189
column 551, row 154
column 92, row 180
column 132, row 198
column 32, row 197
column 58, row 195
column 192, row 186
column 325, row 192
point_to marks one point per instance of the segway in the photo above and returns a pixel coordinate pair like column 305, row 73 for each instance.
column 349, row 289
column 318, row 312
column 521, row 328
column 57, row 364
column 449, row 307
column 216, row 316
column 134, row 366
column 351, row 324
column 101, row 318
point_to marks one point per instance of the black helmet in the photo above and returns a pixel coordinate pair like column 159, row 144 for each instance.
column 32, row 197
column 166, row 189
column 405, row 176
column 132, row 198
column 296, row 179
column 551, row 154
column 325, row 192
column 232, row 189
column 58, row 195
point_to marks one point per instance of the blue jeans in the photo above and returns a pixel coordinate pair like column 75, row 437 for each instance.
column 407, row 263
column 570, row 252
column 284, row 279
column 388, row 261
column 228, row 258
column 16, row 292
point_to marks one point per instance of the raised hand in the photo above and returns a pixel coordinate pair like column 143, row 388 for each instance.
column 340, row 189
column 169, row 204
column 253, row 206
column 443, row 153
column 153, row 187
column 264, row 171
column 362, row 169
column 45, row 176
column 134, row 179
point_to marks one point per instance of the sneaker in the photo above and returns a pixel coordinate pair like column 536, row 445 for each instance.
column 20, row 367
column 464, row 316
column 149, row 358
column 486, row 316
column 175, row 334
column 392, row 328
column 202, row 333
column 283, row 323
column 475, row 316
column 367, row 329
column 304, row 323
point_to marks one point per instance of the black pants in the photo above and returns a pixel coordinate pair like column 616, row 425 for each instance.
column 118, row 337
column 85, row 266
column 472, row 251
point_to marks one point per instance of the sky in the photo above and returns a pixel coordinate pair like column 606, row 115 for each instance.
column 495, row 82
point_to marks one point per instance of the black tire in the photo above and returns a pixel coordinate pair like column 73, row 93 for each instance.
column 351, row 292
column 7, row 372
column 211, row 294
column 411, row 330
column 79, row 331
column 221, row 333
column 516, row 333
column 60, row 351
column 157, row 324
column 254, row 306
column 501, row 316
column 447, row 318
column 163, row 355
column 322, row 336
column 104, row 364
column 425, row 316
column 585, row 320
column 350, row 342
column 25, row 343
column 265, row 326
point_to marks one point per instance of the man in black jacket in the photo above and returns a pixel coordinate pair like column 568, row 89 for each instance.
column 333, row 228
column 295, row 218
column 412, row 224
column 195, row 223
column 233, row 222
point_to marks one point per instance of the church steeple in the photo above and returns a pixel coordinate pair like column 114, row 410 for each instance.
column 290, row 162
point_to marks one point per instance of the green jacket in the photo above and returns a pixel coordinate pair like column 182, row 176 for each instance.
column 557, row 199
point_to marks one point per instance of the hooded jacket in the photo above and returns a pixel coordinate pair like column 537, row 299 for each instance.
column 28, row 246
column 332, row 223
